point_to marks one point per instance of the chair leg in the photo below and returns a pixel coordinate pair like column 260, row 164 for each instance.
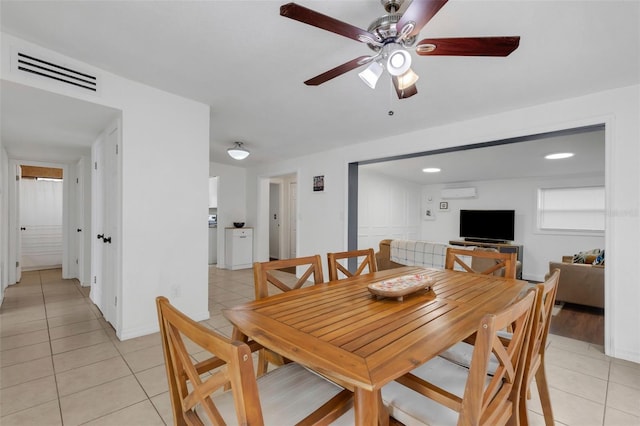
column 543, row 391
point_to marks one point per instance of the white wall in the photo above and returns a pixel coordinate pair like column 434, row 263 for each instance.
column 519, row 195
column 232, row 201
column 165, row 170
column 4, row 220
column 322, row 223
column 387, row 208
column 165, row 202
column 322, row 216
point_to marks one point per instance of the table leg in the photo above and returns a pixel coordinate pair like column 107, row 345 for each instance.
column 238, row 335
column 369, row 409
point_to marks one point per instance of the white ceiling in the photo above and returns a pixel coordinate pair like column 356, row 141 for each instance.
column 249, row 64
column 513, row 159
column 43, row 126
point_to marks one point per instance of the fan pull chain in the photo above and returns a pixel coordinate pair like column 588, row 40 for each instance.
column 390, row 112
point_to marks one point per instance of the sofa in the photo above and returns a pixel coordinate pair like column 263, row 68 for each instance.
column 579, row 283
column 383, row 257
column 396, row 253
column 426, row 254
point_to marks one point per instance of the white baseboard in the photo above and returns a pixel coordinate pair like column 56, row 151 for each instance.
column 132, row 333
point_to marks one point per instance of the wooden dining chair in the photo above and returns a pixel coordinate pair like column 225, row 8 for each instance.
column 497, row 261
column 265, row 276
column 534, row 368
column 288, row 395
column 461, row 353
column 336, row 268
column 440, row 392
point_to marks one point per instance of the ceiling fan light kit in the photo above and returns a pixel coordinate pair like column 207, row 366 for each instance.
column 407, row 79
column 398, row 61
column 238, row 152
column 390, row 36
column 372, row 74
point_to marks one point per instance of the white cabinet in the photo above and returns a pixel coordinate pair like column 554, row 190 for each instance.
column 238, row 248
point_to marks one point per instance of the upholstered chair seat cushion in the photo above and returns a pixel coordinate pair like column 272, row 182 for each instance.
column 411, row 408
column 287, row 394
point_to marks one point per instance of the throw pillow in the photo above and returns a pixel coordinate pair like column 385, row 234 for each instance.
column 600, row 259
column 583, row 256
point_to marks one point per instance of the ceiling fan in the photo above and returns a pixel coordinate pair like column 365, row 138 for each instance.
column 390, row 37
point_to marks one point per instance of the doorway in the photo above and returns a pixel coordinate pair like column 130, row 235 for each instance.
column 478, row 166
column 282, row 213
column 40, row 217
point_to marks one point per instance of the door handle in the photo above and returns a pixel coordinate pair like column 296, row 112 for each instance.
column 100, row 236
column 22, row 228
column 78, row 230
column 106, row 240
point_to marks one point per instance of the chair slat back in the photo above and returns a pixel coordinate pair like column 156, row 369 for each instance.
column 264, row 277
column 336, row 268
column 499, row 260
column 496, row 402
column 234, row 358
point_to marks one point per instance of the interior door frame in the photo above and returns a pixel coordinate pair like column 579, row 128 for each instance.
column 261, row 233
column 14, row 249
column 277, row 183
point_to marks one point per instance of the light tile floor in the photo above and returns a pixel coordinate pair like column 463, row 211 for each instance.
column 61, row 363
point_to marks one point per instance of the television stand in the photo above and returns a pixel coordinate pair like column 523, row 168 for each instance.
column 502, row 247
column 485, row 240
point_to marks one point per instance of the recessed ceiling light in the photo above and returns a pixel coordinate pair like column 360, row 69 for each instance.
column 559, row 155
column 431, row 170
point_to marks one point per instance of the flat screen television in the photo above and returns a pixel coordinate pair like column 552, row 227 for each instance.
column 487, row 225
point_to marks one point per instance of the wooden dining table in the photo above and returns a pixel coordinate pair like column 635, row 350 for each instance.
column 364, row 341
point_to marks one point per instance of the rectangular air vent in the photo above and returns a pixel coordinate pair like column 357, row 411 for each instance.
column 64, row 74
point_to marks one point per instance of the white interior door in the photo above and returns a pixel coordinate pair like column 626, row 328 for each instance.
column 97, row 224
column 110, row 240
column 17, row 222
column 80, row 226
column 293, row 215
column 274, row 220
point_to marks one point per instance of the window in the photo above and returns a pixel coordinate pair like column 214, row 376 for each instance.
column 571, row 209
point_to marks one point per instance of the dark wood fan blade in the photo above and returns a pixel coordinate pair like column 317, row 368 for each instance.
column 404, row 93
column 420, row 12
column 316, row 19
column 468, row 46
column 337, row 71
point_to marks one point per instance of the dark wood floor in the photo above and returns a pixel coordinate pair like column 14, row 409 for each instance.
column 579, row 322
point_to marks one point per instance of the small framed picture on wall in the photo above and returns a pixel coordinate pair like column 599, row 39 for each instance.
column 444, row 205
column 318, row 183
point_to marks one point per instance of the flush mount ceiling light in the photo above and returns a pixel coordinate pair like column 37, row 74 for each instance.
column 559, row 155
column 431, row 170
column 238, row 152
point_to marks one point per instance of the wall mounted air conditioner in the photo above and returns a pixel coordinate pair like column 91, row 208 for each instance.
column 458, row 193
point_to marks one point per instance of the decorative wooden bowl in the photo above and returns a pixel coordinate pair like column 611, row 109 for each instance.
column 401, row 286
